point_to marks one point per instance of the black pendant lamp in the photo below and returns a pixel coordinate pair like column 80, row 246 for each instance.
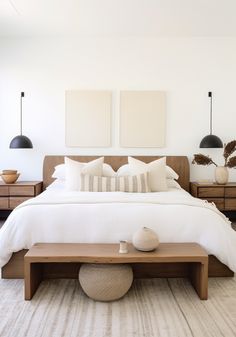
column 21, row 142
column 211, row 141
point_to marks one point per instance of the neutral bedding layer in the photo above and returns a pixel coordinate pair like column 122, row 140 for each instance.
column 107, row 217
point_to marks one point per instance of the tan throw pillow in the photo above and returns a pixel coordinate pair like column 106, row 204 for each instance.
column 74, row 169
column 133, row 184
column 156, row 169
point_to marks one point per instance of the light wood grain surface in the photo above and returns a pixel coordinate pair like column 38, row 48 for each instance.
column 103, row 253
column 224, row 196
column 11, row 195
column 40, row 254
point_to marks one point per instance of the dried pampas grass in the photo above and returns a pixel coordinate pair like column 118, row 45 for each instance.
column 229, row 149
column 201, row 159
column 230, row 162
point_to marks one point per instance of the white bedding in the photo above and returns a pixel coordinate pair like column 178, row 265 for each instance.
column 107, row 217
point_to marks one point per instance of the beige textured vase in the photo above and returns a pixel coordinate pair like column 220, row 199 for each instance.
column 221, row 175
column 145, row 239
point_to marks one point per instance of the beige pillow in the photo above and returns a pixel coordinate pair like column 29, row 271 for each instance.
column 125, row 171
column 74, row 169
column 156, row 169
column 133, row 184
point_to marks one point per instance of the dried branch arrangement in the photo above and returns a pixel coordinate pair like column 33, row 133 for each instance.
column 230, row 162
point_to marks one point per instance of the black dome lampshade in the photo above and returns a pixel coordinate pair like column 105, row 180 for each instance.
column 20, row 141
column 211, row 141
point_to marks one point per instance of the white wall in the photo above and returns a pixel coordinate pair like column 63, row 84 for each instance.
column 185, row 68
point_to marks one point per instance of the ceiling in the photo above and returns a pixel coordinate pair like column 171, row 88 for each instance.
column 109, row 18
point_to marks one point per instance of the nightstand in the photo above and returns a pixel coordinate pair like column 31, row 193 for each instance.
column 224, row 196
column 11, row 195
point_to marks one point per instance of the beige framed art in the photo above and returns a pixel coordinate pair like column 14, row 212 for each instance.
column 142, row 118
column 88, row 118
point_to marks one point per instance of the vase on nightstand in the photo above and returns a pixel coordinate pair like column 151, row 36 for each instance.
column 221, row 175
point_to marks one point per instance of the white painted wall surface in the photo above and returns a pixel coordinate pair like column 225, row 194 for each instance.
column 186, row 68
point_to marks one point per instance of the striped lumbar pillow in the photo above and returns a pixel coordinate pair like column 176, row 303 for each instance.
column 137, row 183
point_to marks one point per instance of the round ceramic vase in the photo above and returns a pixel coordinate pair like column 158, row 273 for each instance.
column 145, row 239
column 221, row 175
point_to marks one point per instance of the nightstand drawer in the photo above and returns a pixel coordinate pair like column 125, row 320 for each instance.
column 3, row 203
column 224, row 196
column 15, row 201
column 230, row 192
column 219, row 202
column 21, row 190
column 230, row 204
column 11, row 195
column 204, row 192
column 3, row 190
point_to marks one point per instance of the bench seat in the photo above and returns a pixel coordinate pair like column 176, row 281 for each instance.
column 43, row 253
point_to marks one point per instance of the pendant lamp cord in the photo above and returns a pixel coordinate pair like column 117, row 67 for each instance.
column 210, row 95
column 22, row 95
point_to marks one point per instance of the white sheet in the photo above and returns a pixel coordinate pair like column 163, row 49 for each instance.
column 62, row 216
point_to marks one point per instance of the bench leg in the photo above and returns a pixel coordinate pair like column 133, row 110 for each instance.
column 199, row 279
column 33, row 277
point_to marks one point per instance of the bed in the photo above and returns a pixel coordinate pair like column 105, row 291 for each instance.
column 59, row 216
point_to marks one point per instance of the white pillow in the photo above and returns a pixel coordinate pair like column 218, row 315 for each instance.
column 156, row 169
column 132, row 184
column 124, row 170
column 75, row 168
column 107, row 171
column 171, row 183
column 60, row 171
column 56, row 185
column 171, row 174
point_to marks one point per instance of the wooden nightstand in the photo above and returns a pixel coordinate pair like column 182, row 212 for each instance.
column 11, row 195
column 224, row 196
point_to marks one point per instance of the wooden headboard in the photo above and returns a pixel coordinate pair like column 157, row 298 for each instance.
column 179, row 163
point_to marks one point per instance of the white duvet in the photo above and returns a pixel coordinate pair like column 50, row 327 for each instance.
column 107, row 217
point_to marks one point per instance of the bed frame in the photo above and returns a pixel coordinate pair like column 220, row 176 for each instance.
column 15, row 267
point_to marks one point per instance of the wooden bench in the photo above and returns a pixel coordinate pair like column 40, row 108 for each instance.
column 44, row 253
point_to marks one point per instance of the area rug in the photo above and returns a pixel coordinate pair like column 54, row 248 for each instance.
column 153, row 307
